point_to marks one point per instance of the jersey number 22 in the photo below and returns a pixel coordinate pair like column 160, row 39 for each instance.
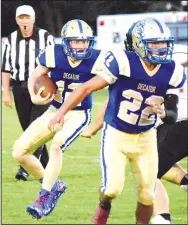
column 128, row 109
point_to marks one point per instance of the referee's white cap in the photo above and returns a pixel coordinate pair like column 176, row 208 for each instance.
column 25, row 9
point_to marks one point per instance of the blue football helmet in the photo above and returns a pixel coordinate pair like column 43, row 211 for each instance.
column 128, row 39
column 148, row 31
column 77, row 30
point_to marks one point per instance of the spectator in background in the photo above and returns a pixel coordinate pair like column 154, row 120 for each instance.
column 21, row 48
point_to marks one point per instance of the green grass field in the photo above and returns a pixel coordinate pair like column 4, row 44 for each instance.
column 81, row 171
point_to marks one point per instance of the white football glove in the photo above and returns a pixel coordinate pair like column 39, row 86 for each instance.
column 38, row 100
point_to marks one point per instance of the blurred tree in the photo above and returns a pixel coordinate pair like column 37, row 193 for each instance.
column 8, row 12
column 58, row 16
column 53, row 14
column 47, row 12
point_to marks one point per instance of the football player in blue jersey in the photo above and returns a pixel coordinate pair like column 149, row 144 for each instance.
column 139, row 83
column 169, row 152
column 70, row 64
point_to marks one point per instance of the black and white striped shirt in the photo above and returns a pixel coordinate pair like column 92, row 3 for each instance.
column 19, row 54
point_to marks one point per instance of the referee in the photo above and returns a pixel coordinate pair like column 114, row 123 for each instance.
column 18, row 62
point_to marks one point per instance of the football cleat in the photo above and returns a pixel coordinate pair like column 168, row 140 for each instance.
column 37, row 208
column 57, row 190
column 160, row 220
column 22, row 174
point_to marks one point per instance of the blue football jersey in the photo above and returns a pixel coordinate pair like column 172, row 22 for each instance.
column 132, row 85
column 67, row 75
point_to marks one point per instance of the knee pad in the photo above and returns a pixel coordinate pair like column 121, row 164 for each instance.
column 58, row 140
column 56, row 149
column 112, row 191
column 16, row 154
column 146, row 197
column 18, row 150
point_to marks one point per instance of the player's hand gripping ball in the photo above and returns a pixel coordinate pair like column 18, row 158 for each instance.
column 47, row 83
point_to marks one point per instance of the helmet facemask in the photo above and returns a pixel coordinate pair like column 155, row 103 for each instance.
column 77, row 30
column 152, row 31
column 78, row 53
column 158, row 55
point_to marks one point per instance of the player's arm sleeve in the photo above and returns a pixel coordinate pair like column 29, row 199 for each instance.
column 115, row 64
column 171, row 106
column 6, row 66
column 49, row 39
column 178, row 77
column 47, row 57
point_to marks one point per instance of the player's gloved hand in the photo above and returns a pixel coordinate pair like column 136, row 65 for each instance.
column 56, row 123
column 87, row 132
column 38, row 100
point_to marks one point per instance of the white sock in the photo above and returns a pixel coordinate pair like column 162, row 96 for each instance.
column 184, row 187
column 159, row 220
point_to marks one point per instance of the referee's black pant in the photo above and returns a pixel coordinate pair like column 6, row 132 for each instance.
column 27, row 113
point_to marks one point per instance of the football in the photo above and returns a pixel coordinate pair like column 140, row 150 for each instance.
column 45, row 81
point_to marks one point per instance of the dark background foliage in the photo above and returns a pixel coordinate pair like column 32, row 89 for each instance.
column 52, row 15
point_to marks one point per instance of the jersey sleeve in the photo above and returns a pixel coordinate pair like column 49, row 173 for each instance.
column 115, row 63
column 49, row 39
column 6, row 52
column 98, row 62
column 47, row 57
column 178, row 77
column 173, row 91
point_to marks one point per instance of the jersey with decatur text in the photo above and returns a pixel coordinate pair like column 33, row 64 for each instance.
column 132, row 86
column 69, row 76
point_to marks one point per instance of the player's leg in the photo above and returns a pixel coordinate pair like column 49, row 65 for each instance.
column 44, row 157
column 170, row 150
column 52, row 189
column 161, row 210
column 23, row 108
column 144, row 164
column 177, row 175
column 162, row 131
column 33, row 137
column 41, row 153
column 113, row 162
column 74, row 123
